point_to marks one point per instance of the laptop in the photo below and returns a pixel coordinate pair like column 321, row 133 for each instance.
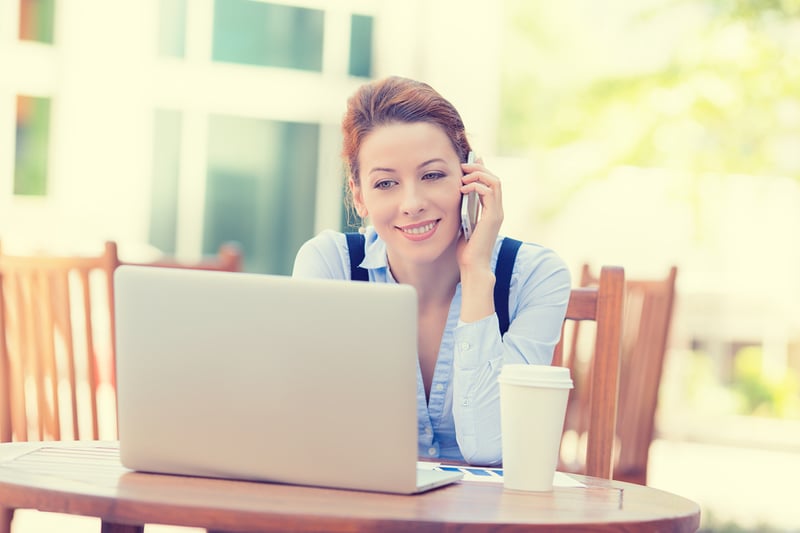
column 269, row 378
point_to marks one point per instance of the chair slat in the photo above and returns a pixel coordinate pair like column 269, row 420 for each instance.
column 5, row 378
column 593, row 401
column 42, row 300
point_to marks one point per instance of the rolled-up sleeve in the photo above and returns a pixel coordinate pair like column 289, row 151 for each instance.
column 538, row 298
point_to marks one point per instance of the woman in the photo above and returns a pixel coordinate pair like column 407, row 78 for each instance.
column 405, row 150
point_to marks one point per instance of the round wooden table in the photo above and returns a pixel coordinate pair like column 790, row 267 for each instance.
column 86, row 478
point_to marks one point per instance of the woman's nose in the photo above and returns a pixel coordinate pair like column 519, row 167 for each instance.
column 413, row 200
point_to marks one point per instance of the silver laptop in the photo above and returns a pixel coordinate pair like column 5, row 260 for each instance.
column 269, row 378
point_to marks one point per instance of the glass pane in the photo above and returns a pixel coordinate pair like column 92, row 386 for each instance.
column 261, row 189
column 172, row 28
column 36, row 20
column 32, row 145
column 259, row 33
column 166, row 168
column 361, row 46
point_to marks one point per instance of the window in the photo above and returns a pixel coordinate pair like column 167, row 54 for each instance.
column 32, row 145
column 361, row 46
column 233, row 165
column 263, row 34
column 172, row 28
column 260, row 189
column 36, row 20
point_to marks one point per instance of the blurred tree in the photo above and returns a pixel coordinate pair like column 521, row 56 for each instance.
column 696, row 86
column 761, row 394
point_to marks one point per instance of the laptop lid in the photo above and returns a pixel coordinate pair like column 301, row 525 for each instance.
column 271, row 378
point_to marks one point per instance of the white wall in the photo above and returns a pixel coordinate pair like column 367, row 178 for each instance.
column 453, row 45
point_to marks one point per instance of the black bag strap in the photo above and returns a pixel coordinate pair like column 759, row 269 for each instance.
column 502, row 271
column 502, row 274
column 355, row 247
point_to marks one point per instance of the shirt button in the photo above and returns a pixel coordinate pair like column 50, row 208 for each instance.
column 428, row 431
column 431, row 451
column 464, row 346
column 465, row 402
column 439, row 387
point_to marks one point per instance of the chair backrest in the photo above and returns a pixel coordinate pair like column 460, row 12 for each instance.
column 592, row 405
column 56, row 346
column 57, row 377
column 648, row 315
column 229, row 258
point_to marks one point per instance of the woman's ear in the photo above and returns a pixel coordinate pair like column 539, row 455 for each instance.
column 358, row 198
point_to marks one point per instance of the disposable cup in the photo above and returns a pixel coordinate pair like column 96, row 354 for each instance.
column 533, row 402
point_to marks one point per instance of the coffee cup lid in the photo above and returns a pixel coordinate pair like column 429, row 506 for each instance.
column 536, row 376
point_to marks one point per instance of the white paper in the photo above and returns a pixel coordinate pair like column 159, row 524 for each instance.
column 493, row 475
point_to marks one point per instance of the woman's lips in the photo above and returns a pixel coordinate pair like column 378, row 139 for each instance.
column 419, row 232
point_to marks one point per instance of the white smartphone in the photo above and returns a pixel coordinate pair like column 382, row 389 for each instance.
column 470, row 205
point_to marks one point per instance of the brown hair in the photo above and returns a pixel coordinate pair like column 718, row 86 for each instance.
column 396, row 99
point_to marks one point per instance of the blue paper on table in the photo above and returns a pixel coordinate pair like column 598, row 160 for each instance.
column 493, row 475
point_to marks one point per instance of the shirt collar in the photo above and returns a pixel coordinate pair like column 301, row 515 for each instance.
column 374, row 251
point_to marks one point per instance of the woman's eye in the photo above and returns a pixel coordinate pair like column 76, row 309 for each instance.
column 384, row 184
column 433, row 175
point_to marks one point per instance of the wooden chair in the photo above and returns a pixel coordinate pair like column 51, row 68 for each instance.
column 57, row 339
column 56, row 349
column 646, row 323
column 57, row 345
column 592, row 407
column 57, row 378
column 229, row 258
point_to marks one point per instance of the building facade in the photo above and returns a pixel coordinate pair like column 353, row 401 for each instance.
column 176, row 125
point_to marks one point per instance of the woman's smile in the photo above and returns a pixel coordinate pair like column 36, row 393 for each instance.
column 420, row 231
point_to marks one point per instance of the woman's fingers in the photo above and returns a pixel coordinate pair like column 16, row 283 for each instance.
column 487, row 186
column 479, row 179
column 477, row 173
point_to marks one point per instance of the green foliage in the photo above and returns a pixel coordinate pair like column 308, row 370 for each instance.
column 710, row 523
column 754, row 9
column 751, row 392
column 704, row 390
column 760, row 393
column 701, row 87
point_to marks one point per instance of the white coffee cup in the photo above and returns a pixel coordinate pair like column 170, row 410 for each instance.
column 533, row 403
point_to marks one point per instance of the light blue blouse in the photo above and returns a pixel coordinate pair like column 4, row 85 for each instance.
column 461, row 420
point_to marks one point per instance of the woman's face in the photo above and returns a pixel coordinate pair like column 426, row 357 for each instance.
column 411, row 189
